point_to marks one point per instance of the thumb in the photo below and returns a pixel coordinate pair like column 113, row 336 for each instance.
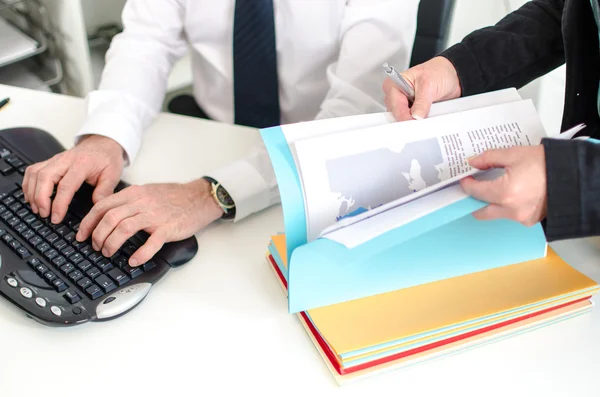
column 423, row 99
column 492, row 158
column 105, row 186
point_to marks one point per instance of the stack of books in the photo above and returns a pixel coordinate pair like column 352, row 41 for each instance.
column 381, row 259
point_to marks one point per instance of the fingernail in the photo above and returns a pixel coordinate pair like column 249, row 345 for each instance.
column 133, row 262
column 417, row 116
column 78, row 237
column 55, row 218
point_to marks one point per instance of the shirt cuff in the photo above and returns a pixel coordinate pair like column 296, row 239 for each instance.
column 245, row 185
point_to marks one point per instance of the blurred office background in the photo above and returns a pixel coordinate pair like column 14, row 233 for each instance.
column 65, row 41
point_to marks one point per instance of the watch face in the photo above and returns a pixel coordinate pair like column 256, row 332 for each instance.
column 223, row 196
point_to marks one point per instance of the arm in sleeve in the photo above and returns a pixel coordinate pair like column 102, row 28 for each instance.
column 524, row 45
column 372, row 32
column 573, row 183
column 134, row 80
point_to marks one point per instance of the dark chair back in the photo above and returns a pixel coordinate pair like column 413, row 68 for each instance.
column 433, row 24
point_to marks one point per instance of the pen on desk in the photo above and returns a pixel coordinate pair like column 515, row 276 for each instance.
column 402, row 84
column 4, row 102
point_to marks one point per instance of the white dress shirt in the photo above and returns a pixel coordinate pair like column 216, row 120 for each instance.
column 329, row 55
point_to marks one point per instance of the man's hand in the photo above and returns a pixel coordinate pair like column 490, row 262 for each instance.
column 96, row 159
column 168, row 212
column 519, row 194
column 433, row 81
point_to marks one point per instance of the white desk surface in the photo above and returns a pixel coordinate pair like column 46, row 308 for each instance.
column 219, row 324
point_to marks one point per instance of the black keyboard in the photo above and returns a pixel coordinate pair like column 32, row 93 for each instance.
column 44, row 270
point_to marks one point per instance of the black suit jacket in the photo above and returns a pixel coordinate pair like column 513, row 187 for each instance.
column 526, row 44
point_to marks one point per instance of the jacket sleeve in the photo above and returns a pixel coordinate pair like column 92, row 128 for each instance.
column 573, row 180
column 524, row 45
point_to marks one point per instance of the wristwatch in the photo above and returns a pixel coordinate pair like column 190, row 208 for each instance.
column 222, row 198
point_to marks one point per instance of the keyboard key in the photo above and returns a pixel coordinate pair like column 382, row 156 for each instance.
column 133, row 272
column 120, row 261
column 59, row 261
column 35, row 240
column 70, row 220
column 128, row 249
column 27, row 234
column 86, row 249
column 18, row 194
column 29, row 219
column 44, row 231
column 22, row 213
column 50, row 276
column 8, row 200
column 106, row 283
column 67, row 268
column 75, row 275
column 22, row 169
column 104, row 265
column 33, row 262
column 51, row 254
column 59, row 285
column 119, row 277
column 68, row 251
column 36, row 225
column 4, row 152
column 76, row 258
column 63, row 230
column 2, row 232
column 84, row 283
column 23, row 252
column 93, row 272
column 14, row 161
column 5, row 168
column 42, row 247
column 13, row 221
column 14, row 244
column 60, row 244
column 14, row 207
column 41, row 268
column 94, row 292
column 52, row 238
column 20, row 227
column 95, row 257
column 69, row 237
column 72, row 297
column 84, row 265
column 77, row 245
column 2, row 208
column 75, row 227
column 6, row 215
column 7, row 238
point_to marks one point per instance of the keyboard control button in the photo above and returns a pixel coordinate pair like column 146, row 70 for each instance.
column 63, row 230
column 35, row 240
column 13, row 221
column 8, row 200
column 2, row 232
column 75, row 275
column 29, row 219
column 36, row 225
column 14, row 207
column 26, row 292
column 42, row 247
column 68, row 251
column 67, row 268
column 6, row 215
column 41, row 269
column 50, row 276
column 76, row 258
column 84, row 265
column 105, row 265
column 59, row 285
column 14, row 244
column 72, row 297
column 84, row 283
column 52, row 238
column 44, row 231
column 51, row 254
column 18, row 194
column 119, row 277
column 4, row 152
column 27, row 234
column 60, row 244
column 23, row 252
column 7, row 238
column 20, row 227
column 120, row 261
column 59, row 261
column 56, row 311
column 77, row 310
column 75, row 227
column 95, row 257
column 93, row 272
column 41, row 302
column 133, row 272
column 23, row 212
column 12, row 282
column 94, row 292
column 128, row 249
column 33, row 262
column 106, row 283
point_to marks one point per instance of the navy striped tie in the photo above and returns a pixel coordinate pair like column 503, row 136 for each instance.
column 256, row 89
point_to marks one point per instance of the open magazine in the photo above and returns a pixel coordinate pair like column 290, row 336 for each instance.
column 361, row 183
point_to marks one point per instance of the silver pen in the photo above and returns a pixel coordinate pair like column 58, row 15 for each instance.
column 400, row 82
